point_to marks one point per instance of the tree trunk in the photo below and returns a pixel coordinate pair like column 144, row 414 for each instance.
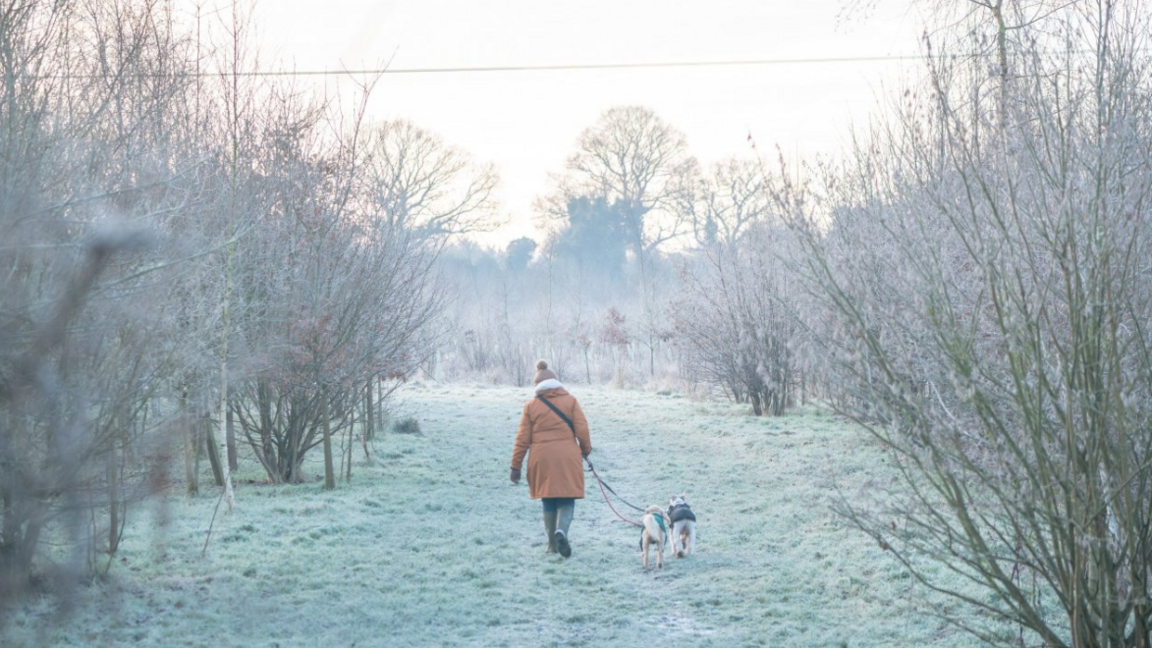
column 11, row 574
column 213, row 454
column 329, row 472
column 230, row 437
column 369, row 413
column 191, row 480
column 651, row 356
column 754, row 395
column 113, row 500
column 348, row 453
column 369, row 430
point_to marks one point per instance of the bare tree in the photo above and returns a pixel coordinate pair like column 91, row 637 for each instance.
column 633, row 157
column 731, row 201
column 633, row 160
column 985, row 269
column 354, row 302
column 94, row 169
column 427, row 187
column 171, row 247
column 735, row 318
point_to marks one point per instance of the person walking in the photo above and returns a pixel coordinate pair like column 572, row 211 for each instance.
column 553, row 434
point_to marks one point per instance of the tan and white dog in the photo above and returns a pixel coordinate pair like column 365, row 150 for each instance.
column 655, row 533
column 683, row 522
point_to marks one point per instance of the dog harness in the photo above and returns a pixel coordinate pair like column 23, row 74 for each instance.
column 681, row 512
column 663, row 529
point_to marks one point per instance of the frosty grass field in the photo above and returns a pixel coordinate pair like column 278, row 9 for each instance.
column 431, row 545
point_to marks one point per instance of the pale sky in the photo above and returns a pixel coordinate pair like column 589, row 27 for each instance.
column 527, row 123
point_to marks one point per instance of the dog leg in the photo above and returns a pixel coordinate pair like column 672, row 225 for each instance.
column 660, row 553
column 691, row 546
column 644, row 549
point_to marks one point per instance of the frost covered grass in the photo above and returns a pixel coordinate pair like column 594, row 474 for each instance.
column 431, row 545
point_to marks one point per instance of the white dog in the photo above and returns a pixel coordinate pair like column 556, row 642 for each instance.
column 655, row 533
column 683, row 525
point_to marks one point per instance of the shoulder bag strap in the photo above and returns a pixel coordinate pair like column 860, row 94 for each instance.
column 559, row 413
column 574, row 437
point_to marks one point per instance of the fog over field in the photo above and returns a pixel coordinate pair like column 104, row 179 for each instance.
column 868, row 279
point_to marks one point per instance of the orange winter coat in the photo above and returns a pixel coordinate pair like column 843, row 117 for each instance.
column 555, row 464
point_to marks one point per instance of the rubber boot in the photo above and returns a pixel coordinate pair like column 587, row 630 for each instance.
column 550, row 529
column 563, row 521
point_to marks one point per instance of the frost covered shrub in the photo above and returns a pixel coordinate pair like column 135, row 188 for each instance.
column 982, row 263
column 735, row 321
column 88, row 347
column 408, row 425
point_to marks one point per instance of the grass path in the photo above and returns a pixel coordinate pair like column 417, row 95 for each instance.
column 433, row 546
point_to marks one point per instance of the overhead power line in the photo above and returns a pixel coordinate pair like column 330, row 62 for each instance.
column 546, row 68
column 594, row 66
column 581, row 66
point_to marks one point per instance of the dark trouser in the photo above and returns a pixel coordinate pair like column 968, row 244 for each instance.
column 553, row 503
column 557, row 516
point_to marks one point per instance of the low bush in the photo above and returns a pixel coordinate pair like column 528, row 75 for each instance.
column 408, row 425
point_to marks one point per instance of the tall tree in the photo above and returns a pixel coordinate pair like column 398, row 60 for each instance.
column 595, row 237
column 518, row 254
column 353, row 302
column 640, row 166
column 634, row 160
column 423, row 185
column 730, row 201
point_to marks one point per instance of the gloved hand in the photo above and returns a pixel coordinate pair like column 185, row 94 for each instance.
column 515, row 476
